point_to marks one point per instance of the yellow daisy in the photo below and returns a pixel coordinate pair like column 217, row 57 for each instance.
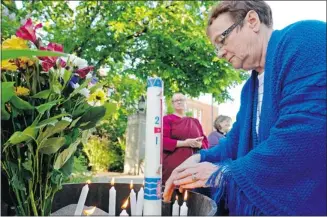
column 8, row 66
column 97, row 98
column 22, row 91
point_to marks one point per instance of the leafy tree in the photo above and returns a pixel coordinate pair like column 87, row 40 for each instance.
column 143, row 38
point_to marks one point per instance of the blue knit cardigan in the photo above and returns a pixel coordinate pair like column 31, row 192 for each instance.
column 282, row 171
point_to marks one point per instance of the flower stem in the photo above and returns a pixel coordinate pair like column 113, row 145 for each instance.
column 32, row 198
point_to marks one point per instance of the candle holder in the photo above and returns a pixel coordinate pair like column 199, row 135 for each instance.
column 98, row 195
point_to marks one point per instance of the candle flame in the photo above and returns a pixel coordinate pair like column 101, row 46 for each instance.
column 88, row 182
column 185, row 196
column 176, row 198
column 124, row 206
column 131, row 185
column 112, row 181
column 89, row 211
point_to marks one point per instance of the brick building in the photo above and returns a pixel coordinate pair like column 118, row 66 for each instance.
column 205, row 113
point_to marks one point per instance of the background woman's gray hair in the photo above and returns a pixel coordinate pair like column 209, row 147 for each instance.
column 220, row 119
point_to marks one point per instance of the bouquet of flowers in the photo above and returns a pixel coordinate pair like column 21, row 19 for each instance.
column 48, row 105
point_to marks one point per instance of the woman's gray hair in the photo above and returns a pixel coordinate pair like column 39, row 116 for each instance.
column 220, row 119
column 239, row 9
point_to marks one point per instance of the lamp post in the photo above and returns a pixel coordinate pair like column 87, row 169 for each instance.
column 141, row 105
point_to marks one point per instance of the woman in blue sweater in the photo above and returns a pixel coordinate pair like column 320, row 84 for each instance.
column 273, row 161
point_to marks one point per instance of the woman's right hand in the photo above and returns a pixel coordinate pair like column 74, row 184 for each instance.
column 169, row 186
column 194, row 143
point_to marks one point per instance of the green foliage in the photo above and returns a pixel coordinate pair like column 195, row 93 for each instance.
column 143, row 38
column 97, row 151
column 188, row 114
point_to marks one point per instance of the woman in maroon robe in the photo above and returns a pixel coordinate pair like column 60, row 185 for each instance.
column 182, row 137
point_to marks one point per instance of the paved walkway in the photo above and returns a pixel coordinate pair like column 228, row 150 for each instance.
column 105, row 177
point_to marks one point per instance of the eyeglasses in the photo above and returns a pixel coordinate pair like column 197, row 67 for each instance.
column 224, row 35
column 179, row 100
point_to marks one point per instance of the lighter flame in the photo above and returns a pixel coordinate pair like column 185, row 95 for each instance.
column 185, row 196
column 89, row 211
column 124, row 206
column 88, row 182
column 112, row 181
column 131, row 185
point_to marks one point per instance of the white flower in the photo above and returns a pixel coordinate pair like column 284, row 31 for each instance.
column 103, row 72
column 85, row 92
column 75, row 85
column 88, row 76
column 68, row 119
column 79, row 62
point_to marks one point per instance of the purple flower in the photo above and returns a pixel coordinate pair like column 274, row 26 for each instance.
column 74, row 81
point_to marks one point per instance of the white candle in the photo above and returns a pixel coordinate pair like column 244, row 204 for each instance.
column 132, row 197
column 184, row 207
column 176, row 207
column 112, row 198
column 123, row 213
column 124, row 206
column 82, row 199
column 139, row 202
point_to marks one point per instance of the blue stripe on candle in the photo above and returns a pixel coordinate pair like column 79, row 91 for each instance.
column 154, row 82
column 148, row 191
column 151, row 197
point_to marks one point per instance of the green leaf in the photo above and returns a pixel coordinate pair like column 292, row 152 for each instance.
column 93, row 115
column 47, row 106
column 65, row 155
column 110, row 109
column 51, row 130
column 66, row 77
column 42, row 94
column 4, row 114
column 28, row 165
column 21, row 104
column 7, row 91
column 17, row 183
column 18, row 136
column 67, row 168
column 13, row 54
column 57, row 88
column 74, row 122
column 52, row 120
column 51, row 145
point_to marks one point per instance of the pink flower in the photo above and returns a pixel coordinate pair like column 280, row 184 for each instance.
column 49, row 62
column 27, row 31
column 83, row 72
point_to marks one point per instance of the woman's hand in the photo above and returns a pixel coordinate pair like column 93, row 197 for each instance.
column 193, row 143
column 194, row 176
column 190, row 174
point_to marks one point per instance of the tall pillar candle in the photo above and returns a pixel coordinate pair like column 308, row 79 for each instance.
column 153, row 147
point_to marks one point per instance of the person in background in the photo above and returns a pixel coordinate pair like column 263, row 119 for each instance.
column 182, row 137
column 273, row 161
column 222, row 125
